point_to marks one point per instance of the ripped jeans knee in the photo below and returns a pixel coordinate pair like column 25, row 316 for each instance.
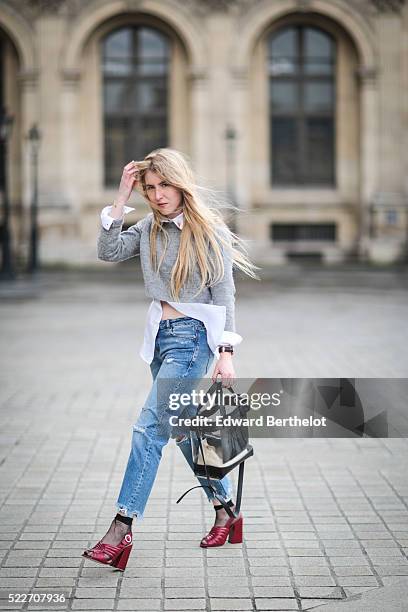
column 138, row 428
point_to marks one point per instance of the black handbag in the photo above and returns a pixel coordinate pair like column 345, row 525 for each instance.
column 220, row 442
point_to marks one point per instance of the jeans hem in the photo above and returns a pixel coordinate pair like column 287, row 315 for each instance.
column 135, row 514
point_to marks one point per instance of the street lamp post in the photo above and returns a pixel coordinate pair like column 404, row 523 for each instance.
column 230, row 137
column 6, row 124
column 34, row 138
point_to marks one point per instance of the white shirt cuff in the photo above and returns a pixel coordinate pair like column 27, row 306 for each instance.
column 231, row 338
column 107, row 220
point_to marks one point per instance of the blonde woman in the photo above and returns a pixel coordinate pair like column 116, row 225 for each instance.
column 187, row 255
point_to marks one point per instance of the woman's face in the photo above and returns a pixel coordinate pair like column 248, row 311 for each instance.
column 162, row 196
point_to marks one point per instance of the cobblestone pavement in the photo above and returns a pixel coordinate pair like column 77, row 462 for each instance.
column 325, row 519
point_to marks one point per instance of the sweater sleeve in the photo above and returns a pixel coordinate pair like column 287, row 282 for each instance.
column 223, row 292
column 115, row 245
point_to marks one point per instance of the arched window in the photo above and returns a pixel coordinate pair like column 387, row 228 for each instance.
column 301, row 67
column 135, row 87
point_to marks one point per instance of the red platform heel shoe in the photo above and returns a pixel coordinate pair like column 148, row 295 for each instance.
column 115, row 556
column 233, row 530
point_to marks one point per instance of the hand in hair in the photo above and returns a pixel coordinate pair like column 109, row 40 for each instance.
column 130, row 178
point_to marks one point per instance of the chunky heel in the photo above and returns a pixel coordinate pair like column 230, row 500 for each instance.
column 218, row 535
column 121, row 561
column 236, row 531
column 115, row 556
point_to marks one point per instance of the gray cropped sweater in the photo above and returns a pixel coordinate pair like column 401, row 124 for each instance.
column 115, row 245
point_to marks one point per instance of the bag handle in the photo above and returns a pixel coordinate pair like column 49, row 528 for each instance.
column 217, row 386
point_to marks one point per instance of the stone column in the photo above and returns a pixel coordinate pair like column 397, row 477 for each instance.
column 28, row 82
column 200, row 123
column 241, row 119
column 69, row 138
column 50, row 31
column 369, row 152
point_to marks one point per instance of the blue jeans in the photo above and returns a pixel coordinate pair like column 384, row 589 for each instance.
column 181, row 358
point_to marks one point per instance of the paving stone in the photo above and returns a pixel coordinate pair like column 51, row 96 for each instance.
column 93, row 604
column 50, row 582
column 304, row 552
column 351, row 591
column 232, row 563
column 326, row 592
column 91, row 592
column 379, row 544
column 268, row 561
column 309, row 604
column 268, row 591
column 310, row 581
column 136, row 593
column 269, row 571
column 184, row 552
column 278, row 581
column 141, row 572
column 142, row 583
column 183, row 562
column 184, row 604
column 223, row 603
column 258, row 553
column 387, row 559
column 348, row 561
column 276, row 604
column 232, row 571
column 198, row 582
column 228, row 590
column 141, row 605
column 185, row 573
column 184, row 592
column 31, row 546
column 16, row 582
column 23, row 562
column 155, row 562
column 62, row 562
column 363, row 570
column 391, row 570
column 350, row 581
column 21, row 572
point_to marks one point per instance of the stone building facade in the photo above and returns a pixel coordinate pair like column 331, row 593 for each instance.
column 298, row 109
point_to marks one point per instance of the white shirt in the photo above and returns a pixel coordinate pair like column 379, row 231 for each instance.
column 211, row 315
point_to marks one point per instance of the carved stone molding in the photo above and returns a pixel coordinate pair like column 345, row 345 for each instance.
column 198, row 75
column 47, row 6
column 386, row 6
column 71, row 78
column 202, row 8
column 217, row 5
column 33, row 9
column 367, row 76
column 28, row 79
column 39, row 7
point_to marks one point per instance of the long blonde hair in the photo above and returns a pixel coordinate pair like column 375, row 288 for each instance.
column 201, row 228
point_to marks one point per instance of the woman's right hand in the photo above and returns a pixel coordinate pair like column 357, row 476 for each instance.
column 130, row 178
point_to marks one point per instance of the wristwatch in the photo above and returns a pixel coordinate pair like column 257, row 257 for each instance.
column 226, row 349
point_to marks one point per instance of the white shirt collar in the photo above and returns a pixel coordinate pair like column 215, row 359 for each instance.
column 179, row 220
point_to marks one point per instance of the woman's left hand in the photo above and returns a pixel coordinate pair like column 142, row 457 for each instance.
column 225, row 369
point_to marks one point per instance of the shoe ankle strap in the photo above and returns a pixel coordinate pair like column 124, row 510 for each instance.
column 230, row 503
